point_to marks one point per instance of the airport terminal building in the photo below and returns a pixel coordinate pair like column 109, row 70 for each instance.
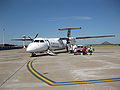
column 9, row 46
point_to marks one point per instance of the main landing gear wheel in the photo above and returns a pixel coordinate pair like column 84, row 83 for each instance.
column 33, row 55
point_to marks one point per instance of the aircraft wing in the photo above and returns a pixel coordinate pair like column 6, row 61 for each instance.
column 63, row 39
column 95, row 37
column 22, row 39
column 89, row 37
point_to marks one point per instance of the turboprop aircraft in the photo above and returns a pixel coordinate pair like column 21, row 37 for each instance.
column 48, row 45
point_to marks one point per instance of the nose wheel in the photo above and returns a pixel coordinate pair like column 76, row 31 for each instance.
column 33, row 55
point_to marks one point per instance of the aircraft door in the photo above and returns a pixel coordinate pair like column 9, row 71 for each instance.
column 61, row 44
column 48, row 43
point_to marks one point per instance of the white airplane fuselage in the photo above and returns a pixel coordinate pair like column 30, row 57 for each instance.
column 44, row 44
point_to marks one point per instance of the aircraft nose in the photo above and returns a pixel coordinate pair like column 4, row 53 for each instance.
column 35, row 47
column 30, row 48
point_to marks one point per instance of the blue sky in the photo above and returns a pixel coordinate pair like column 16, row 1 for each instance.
column 29, row 17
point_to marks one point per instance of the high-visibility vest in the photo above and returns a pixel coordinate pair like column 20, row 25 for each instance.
column 91, row 49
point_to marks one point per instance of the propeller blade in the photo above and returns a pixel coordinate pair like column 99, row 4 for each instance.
column 36, row 36
column 30, row 38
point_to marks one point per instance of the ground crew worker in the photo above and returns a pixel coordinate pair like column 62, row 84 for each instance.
column 90, row 51
column 84, row 51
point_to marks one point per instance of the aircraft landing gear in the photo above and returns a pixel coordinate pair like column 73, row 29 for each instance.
column 50, row 53
column 33, row 55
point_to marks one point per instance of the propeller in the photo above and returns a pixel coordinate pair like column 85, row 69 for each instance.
column 33, row 38
column 30, row 38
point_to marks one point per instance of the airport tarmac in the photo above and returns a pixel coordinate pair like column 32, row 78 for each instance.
column 100, row 71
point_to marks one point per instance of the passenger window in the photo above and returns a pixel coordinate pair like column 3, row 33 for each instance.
column 42, row 41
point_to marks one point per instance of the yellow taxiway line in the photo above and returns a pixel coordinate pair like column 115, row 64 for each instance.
column 53, row 83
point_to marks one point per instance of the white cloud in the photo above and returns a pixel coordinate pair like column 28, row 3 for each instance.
column 83, row 18
column 71, row 18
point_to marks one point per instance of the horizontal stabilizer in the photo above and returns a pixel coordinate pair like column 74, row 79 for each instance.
column 69, row 29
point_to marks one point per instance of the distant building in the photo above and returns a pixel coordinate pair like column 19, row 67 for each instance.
column 9, row 46
column 5, row 45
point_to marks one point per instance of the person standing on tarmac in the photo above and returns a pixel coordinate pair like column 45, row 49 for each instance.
column 84, row 51
column 91, row 49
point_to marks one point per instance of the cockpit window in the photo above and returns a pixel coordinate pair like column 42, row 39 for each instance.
column 36, row 41
column 42, row 41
